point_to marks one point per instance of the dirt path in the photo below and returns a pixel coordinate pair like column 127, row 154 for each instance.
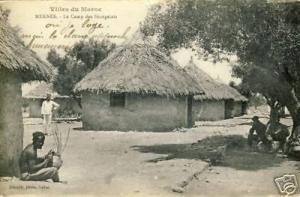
column 112, row 163
column 233, row 182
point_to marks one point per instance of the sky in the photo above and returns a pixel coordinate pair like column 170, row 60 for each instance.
column 219, row 71
column 45, row 23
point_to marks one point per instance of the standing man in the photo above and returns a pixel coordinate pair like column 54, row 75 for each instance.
column 48, row 107
column 34, row 168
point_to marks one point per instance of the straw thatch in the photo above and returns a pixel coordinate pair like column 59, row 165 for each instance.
column 213, row 90
column 40, row 91
column 139, row 67
column 16, row 58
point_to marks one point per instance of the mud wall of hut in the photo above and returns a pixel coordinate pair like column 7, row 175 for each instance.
column 11, row 124
column 141, row 113
column 34, row 107
column 208, row 110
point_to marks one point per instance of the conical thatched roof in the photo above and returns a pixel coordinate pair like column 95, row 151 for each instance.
column 41, row 90
column 16, row 58
column 139, row 67
column 213, row 90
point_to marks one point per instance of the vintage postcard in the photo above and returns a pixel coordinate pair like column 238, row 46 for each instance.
column 149, row 98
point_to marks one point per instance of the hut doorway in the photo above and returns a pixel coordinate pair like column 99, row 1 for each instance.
column 189, row 111
column 244, row 108
column 229, row 105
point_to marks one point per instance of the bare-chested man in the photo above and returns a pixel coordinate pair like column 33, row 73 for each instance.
column 257, row 133
column 34, row 168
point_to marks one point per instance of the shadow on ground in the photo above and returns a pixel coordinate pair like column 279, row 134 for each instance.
column 250, row 117
column 227, row 151
column 79, row 129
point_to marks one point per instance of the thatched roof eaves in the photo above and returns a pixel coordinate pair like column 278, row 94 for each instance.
column 213, row 90
column 140, row 68
column 18, row 59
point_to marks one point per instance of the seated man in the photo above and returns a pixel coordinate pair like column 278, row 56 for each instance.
column 34, row 168
column 296, row 134
column 279, row 132
column 260, row 135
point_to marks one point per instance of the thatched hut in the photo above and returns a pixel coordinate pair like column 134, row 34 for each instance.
column 220, row 101
column 137, row 87
column 34, row 98
column 17, row 64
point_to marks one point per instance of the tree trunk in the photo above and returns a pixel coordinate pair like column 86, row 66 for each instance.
column 292, row 104
column 274, row 114
column 11, row 125
column 274, row 110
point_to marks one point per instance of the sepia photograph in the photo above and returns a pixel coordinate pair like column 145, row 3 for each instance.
column 150, row 98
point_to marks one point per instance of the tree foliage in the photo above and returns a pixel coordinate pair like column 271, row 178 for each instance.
column 4, row 13
column 263, row 35
column 82, row 58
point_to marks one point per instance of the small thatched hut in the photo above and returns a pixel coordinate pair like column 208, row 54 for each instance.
column 34, row 98
column 137, row 87
column 17, row 64
column 220, row 101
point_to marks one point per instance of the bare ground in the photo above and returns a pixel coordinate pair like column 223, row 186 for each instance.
column 111, row 163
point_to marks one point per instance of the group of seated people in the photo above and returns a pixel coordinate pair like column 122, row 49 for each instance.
column 262, row 136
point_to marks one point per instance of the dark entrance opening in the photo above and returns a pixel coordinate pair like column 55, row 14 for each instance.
column 117, row 99
column 244, row 108
column 189, row 111
column 229, row 104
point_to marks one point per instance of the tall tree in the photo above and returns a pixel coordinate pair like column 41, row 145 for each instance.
column 82, row 58
column 263, row 35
